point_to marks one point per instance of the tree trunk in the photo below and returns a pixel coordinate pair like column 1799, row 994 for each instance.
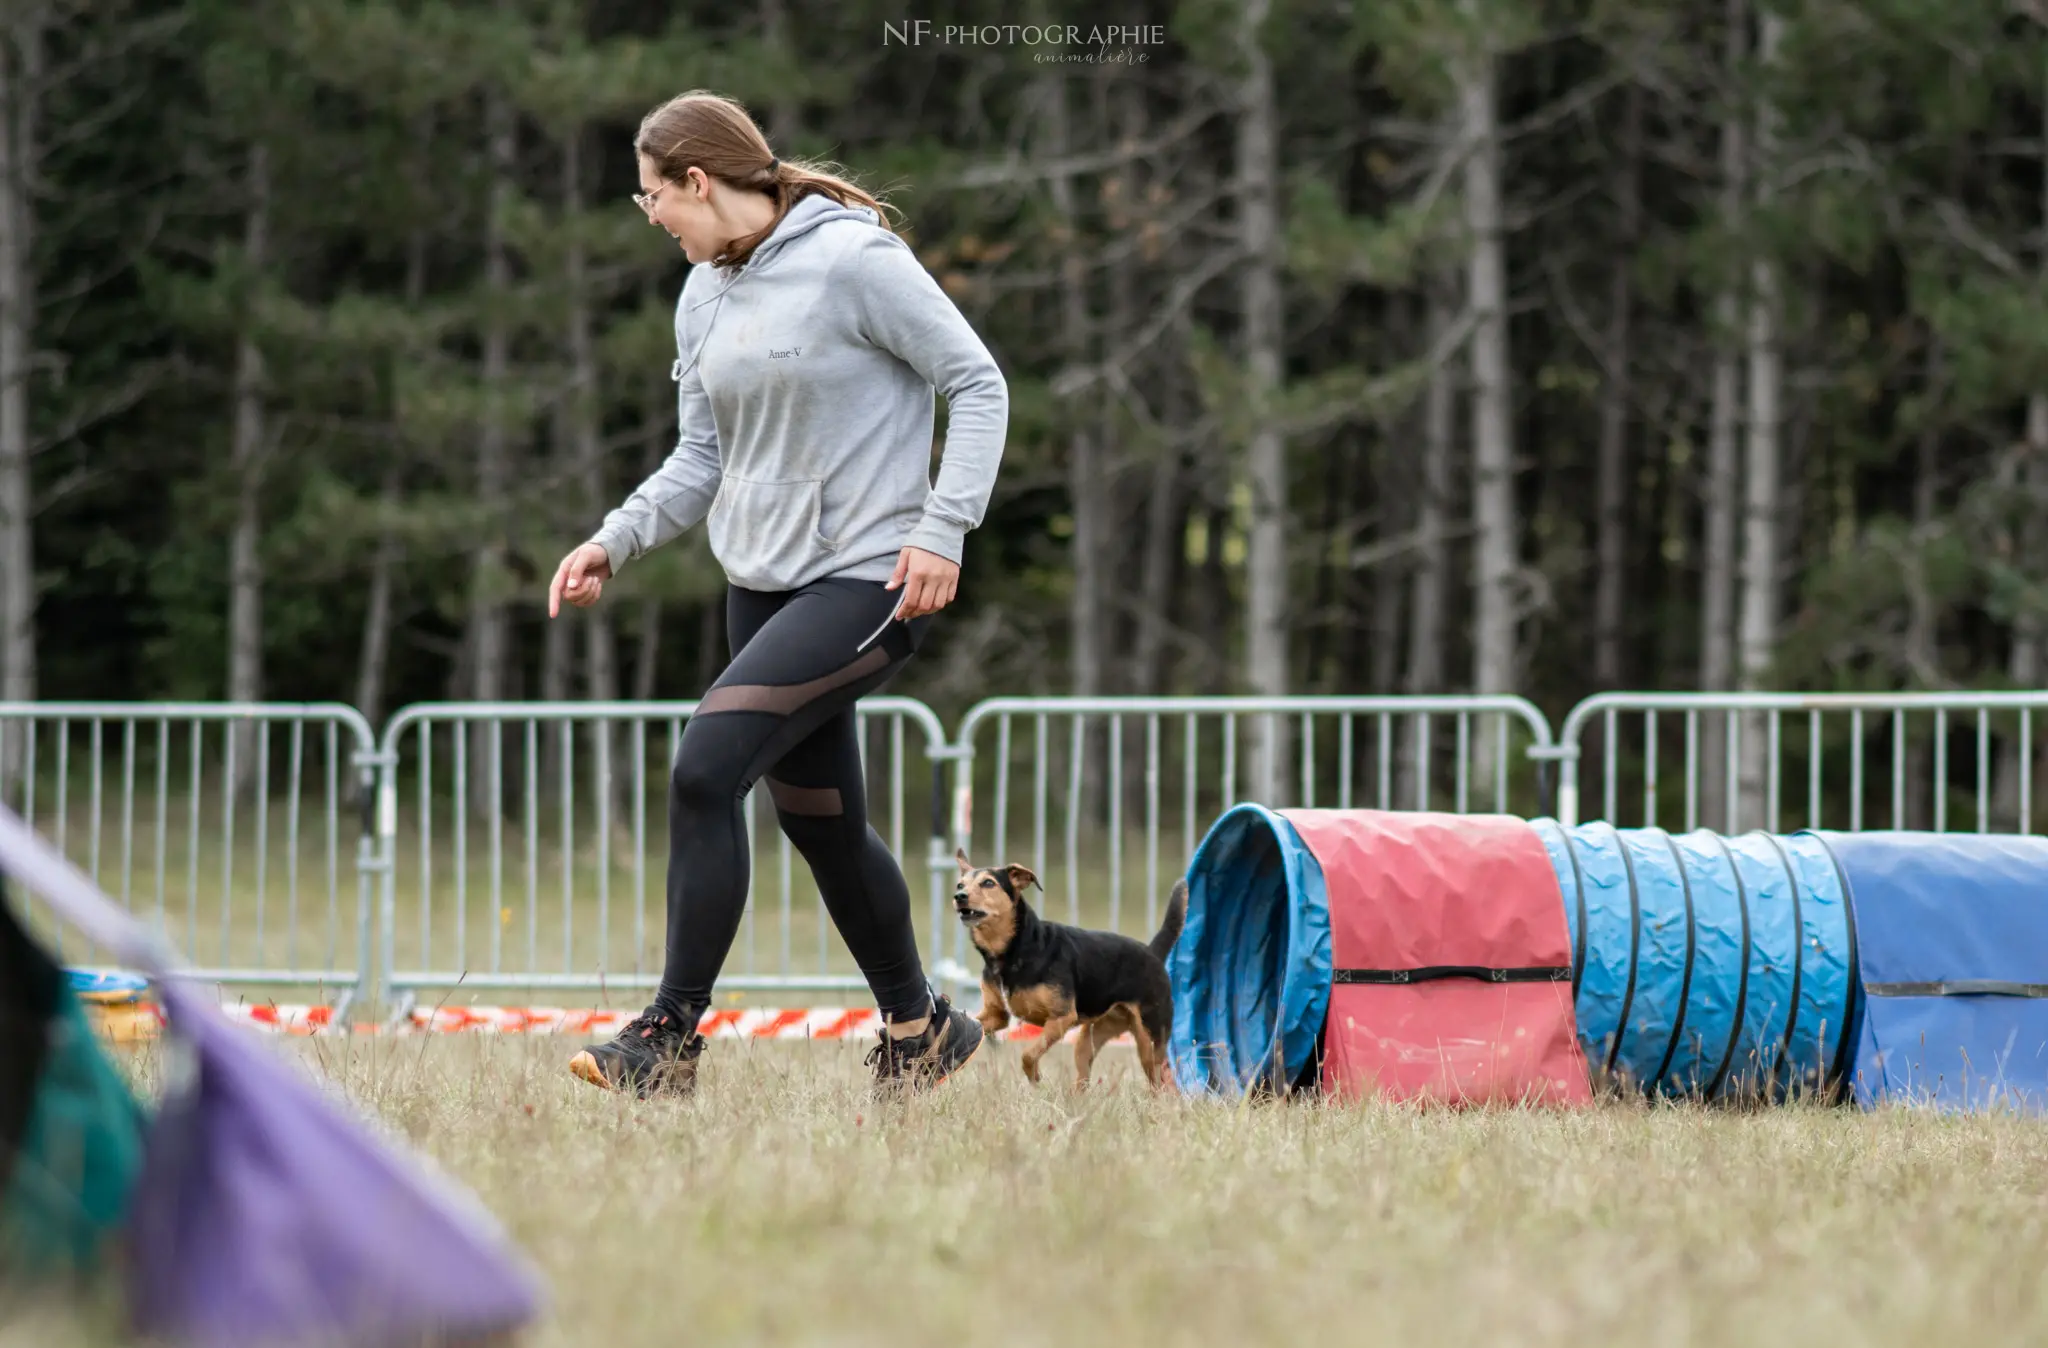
column 1389, row 580
column 1117, row 100
column 247, row 453
column 557, row 672
column 2024, row 663
column 374, row 664
column 600, row 653
column 1217, row 605
column 2030, row 627
column 488, row 635
column 1087, row 485
column 1495, row 541
column 600, row 644
column 1493, row 499
column 1426, row 662
column 647, row 655
column 1724, row 460
column 1165, row 539
column 1084, row 455
column 1333, row 604
column 20, row 70
column 1922, row 653
column 1611, row 588
column 784, row 105
column 374, row 661
column 1258, row 212
column 1757, row 638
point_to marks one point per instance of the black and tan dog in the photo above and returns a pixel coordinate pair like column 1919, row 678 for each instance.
column 1056, row 977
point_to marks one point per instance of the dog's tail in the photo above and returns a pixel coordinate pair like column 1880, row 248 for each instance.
column 1176, row 913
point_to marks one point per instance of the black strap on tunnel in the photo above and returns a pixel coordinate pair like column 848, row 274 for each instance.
column 1430, row 973
column 1958, row 987
column 1798, row 947
column 1741, row 983
column 1691, row 945
column 1635, row 948
column 1847, row 1046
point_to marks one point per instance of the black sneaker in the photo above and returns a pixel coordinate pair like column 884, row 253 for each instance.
column 652, row 1055
column 903, row 1066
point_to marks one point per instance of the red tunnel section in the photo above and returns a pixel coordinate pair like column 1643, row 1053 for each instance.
column 1451, row 961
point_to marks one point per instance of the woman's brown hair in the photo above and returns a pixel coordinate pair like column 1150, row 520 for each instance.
column 709, row 131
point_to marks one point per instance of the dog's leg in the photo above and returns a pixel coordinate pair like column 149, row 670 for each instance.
column 1098, row 1032
column 1094, row 1034
column 1050, row 1033
column 1149, row 1059
column 993, row 1014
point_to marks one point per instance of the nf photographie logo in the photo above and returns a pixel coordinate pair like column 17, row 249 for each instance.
column 1050, row 41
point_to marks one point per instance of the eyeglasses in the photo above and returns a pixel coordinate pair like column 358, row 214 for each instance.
column 645, row 200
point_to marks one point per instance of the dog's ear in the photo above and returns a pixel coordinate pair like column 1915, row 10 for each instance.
column 960, row 855
column 1021, row 876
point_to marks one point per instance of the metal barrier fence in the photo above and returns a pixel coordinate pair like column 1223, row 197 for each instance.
column 225, row 827
column 1110, row 780
column 513, row 850
column 518, row 852
column 1723, row 757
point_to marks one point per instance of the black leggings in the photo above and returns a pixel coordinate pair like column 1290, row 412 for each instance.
column 785, row 706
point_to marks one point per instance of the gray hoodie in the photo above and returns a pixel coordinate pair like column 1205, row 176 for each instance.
column 806, row 386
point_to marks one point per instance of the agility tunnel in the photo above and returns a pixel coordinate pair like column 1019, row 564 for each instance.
column 1483, row 958
column 1413, row 955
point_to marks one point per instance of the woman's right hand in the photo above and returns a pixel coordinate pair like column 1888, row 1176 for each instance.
column 580, row 578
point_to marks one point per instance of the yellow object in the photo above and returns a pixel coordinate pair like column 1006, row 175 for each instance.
column 122, row 1015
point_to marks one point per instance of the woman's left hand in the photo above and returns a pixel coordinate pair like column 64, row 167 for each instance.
column 928, row 582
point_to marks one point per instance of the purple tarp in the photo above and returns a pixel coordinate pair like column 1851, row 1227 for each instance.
column 264, row 1213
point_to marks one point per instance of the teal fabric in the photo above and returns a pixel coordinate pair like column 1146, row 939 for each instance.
column 68, row 1188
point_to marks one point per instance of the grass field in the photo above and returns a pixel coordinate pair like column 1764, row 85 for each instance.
column 780, row 1207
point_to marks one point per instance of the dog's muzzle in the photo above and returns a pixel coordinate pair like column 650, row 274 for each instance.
column 969, row 915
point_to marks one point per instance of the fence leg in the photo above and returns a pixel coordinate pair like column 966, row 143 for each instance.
column 387, row 869
column 945, row 968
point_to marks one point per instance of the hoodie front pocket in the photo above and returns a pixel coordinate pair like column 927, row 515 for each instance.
column 768, row 530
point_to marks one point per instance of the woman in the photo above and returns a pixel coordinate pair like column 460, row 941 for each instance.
column 809, row 351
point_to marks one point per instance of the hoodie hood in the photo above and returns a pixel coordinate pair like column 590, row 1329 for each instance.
column 814, row 210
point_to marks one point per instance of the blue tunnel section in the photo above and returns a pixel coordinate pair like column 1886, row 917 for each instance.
column 1708, row 966
column 1952, row 943
column 1251, row 971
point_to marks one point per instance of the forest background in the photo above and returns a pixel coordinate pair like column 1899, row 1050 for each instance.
column 1544, row 346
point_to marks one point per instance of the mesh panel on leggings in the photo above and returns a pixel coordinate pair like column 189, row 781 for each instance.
column 806, row 800
column 781, row 699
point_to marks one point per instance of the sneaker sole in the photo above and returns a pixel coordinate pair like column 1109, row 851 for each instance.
column 964, row 1061
column 584, row 1066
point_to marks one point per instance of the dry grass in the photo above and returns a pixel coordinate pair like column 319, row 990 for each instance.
column 780, row 1207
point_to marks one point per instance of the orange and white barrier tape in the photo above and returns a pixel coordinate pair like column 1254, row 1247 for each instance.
column 283, row 1018
column 818, row 1022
